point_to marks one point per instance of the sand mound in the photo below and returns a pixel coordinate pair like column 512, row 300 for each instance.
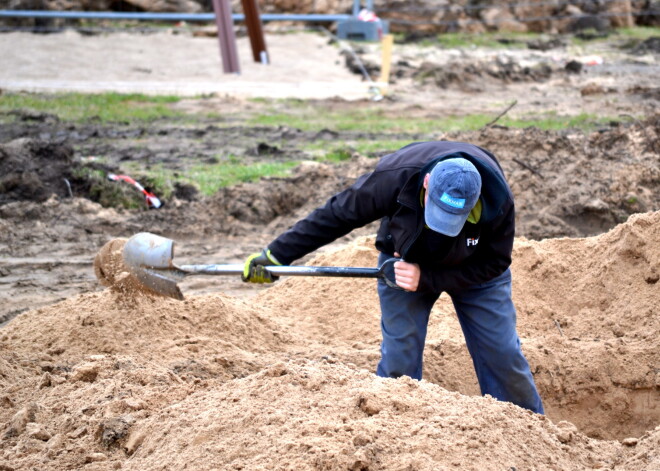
column 322, row 416
column 598, row 287
column 591, row 307
column 76, row 376
column 70, row 417
column 285, row 380
column 207, row 336
column 646, row 456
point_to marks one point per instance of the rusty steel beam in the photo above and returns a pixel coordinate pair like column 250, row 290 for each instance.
column 226, row 37
column 255, row 31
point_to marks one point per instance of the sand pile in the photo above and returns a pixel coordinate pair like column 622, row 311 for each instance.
column 204, row 337
column 118, row 379
column 589, row 308
column 315, row 415
column 76, row 376
column 61, row 415
column 332, row 311
column 600, row 287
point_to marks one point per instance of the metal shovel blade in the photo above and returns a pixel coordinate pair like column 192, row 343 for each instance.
column 149, row 258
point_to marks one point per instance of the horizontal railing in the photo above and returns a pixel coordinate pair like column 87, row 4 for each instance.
column 118, row 15
column 314, row 17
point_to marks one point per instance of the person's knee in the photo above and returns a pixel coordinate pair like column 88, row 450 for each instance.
column 508, row 357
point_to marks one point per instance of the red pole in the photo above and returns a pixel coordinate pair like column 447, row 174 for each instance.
column 253, row 23
column 226, row 36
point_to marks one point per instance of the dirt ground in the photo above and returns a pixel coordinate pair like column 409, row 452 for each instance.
column 281, row 377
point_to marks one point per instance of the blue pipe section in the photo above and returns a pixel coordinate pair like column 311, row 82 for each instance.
column 100, row 15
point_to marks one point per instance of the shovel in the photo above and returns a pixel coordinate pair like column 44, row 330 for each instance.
column 149, row 258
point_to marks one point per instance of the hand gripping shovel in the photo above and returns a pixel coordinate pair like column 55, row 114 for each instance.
column 149, row 258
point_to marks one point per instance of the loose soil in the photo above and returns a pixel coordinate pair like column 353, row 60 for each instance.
column 95, row 374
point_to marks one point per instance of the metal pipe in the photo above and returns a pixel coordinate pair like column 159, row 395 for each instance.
column 226, row 37
column 102, row 15
column 356, row 7
column 255, row 31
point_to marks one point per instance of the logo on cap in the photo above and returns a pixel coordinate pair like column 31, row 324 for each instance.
column 458, row 203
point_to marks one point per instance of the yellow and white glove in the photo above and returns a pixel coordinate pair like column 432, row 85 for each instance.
column 254, row 271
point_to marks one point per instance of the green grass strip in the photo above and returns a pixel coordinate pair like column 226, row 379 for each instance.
column 104, row 107
column 340, row 151
column 209, row 178
column 376, row 121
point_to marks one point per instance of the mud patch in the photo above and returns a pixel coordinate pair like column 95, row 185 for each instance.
column 471, row 76
column 650, row 45
column 34, row 170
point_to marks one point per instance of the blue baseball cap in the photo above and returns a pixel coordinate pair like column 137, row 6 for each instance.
column 453, row 190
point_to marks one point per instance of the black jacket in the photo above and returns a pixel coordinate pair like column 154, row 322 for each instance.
column 391, row 193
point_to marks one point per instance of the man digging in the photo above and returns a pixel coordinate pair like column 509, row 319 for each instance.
column 447, row 211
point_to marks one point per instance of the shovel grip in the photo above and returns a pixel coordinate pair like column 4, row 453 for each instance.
column 350, row 272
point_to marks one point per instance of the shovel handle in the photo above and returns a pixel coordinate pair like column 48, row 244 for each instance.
column 385, row 271
column 277, row 270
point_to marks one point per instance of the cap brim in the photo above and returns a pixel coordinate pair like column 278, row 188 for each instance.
column 443, row 222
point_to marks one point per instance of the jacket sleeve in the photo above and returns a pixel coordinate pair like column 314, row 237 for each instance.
column 490, row 261
column 367, row 200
